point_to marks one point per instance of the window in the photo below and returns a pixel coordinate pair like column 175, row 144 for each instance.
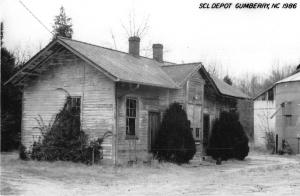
column 197, row 132
column 74, row 104
column 131, row 114
column 271, row 94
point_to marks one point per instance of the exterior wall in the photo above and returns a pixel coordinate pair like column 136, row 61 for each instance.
column 194, row 106
column 287, row 126
column 263, row 110
column 149, row 99
column 214, row 104
column 46, row 95
column 213, row 108
column 245, row 110
column 178, row 95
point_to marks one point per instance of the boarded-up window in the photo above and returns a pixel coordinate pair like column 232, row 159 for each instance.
column 287, row 109
column 131, row 114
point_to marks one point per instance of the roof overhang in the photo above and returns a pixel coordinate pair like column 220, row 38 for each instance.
column 33, row 67
column 209, row 78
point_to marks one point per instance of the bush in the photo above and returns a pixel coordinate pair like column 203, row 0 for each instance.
column 286, row 148
column 228, row 139
column 64, row 140
column 23, row 154
column 175, row 142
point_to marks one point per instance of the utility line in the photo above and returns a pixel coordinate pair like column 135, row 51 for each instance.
column 34, row 16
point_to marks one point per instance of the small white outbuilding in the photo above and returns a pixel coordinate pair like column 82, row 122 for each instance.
column 277, row 110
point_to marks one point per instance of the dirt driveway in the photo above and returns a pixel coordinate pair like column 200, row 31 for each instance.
column 257, row 175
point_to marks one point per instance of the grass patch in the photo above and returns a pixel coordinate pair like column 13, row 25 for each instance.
column 70, row 172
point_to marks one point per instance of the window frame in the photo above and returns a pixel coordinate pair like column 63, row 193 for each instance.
column 127, row 130
column 78, row 109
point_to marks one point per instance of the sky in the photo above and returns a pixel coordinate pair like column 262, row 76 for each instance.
column 237, row 42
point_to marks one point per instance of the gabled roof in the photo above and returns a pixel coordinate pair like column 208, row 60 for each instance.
column 181, row 72
column 293, row 78
column 120, row 66
column 228, row 90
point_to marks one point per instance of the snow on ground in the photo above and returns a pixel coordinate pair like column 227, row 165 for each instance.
column 259, row 174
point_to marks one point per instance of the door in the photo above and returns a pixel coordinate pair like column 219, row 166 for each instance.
column 206, row 127
column 153, row 127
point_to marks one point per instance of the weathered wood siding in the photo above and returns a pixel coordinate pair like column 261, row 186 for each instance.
column 44, row 96
column 178, row 95
column 194, row 106
column 214, row 104
column 195, row 97
column 149, row 99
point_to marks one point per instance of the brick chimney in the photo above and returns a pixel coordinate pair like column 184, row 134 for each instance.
column 134, row 46
column 158, row 52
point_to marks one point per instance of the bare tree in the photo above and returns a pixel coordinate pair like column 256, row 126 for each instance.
column 215, row 69
column 21, row 55
column 114, row 39
column 134, row 29
column 278, row 73
column 253, row 84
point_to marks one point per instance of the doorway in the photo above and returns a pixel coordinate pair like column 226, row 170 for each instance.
column 153, row 127
column 206, row 127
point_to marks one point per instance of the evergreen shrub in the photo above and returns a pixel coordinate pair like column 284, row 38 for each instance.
column 175, row 142
column 228, row 139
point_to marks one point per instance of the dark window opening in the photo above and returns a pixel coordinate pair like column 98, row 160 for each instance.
column 271, row 95
column 197, row 132
column 131, row 114
column 74, row 105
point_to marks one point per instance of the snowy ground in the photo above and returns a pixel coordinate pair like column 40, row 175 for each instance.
column 257, row 175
